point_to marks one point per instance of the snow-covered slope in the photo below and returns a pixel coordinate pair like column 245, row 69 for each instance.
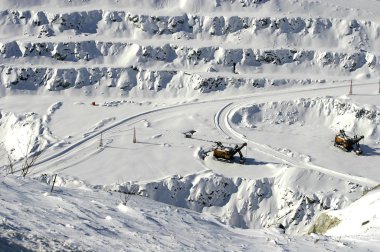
column 81, row 218
column 360, row 218
column 286, row 200
column 199, row 45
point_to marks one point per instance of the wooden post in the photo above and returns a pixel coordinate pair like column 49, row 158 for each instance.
column 134, row 135
column 52, row 187
column 350, row 92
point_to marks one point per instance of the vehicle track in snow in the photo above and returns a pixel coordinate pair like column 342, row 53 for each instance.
column 128, row 121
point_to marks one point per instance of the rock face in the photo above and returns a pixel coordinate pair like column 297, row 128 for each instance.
column 117, row 48
column 323, row 223
column 244, row 203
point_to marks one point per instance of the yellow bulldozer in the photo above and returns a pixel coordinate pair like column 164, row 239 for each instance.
column 347, row 143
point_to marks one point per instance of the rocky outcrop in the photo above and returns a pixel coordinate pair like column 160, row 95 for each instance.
column 60, row 50
column 55, row 79
column 323, row 223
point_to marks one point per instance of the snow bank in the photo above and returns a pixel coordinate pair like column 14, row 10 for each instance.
column 23, row 135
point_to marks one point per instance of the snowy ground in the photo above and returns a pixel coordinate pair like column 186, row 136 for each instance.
column 260, row 72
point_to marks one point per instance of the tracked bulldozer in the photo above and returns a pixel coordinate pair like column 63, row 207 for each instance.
column 347, row 143
column 227, row 153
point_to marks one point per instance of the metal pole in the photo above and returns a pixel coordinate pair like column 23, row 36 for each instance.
column 350, row 93
column 134, row 135
column 101, row 140
column 379, row 86
column 52, row 187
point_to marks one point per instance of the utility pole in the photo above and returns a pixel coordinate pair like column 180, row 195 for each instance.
column 350, row 93
column 101, row 140
column 52, row 187
column 134, row 135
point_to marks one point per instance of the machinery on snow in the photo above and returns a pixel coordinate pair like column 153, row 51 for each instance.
column 221, row 152
column 227, row 153
column 347, row 143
